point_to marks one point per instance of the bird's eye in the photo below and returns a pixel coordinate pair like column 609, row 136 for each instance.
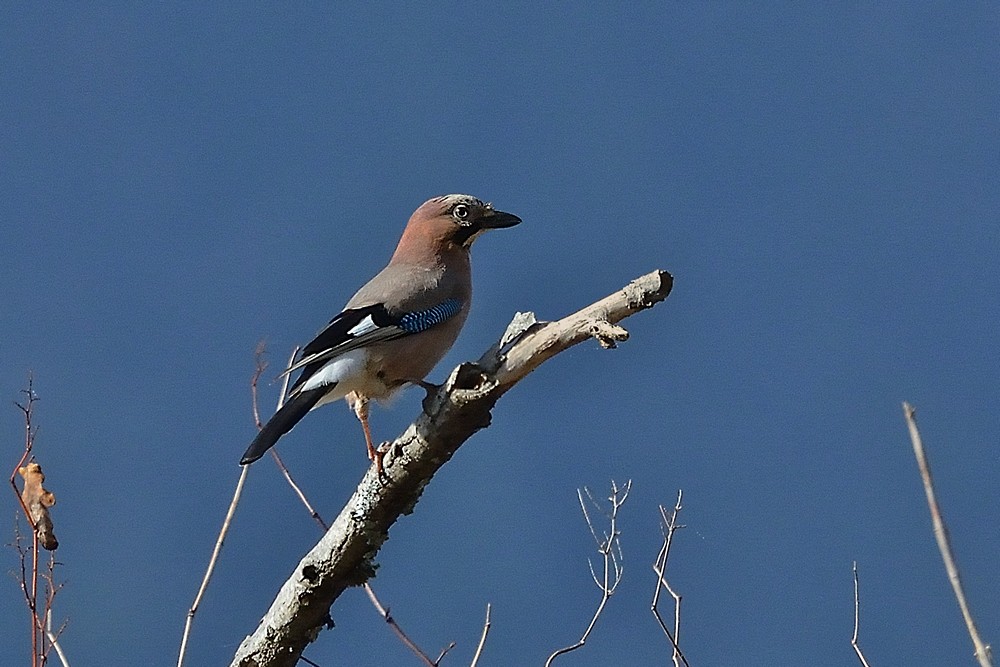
column 461, row 212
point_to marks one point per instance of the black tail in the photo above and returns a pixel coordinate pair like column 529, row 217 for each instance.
column 282, row 422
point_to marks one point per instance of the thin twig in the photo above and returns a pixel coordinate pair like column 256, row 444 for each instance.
column 669, row 527
column 40, row 622
column 36, row 634
column 211, row 563
column 482, row 639
column 983, row 653
column 274, row 451
column 27, row 408
column 298, row 491
column 29, row 441
column 609, row 547
column 45, row 621
column 51, row 590
column 260, row 365
column 22, row 553
column 387, row 617
column 443, row 653
column 854, row 638
column 383, row 612
column 54, row 640
column 259, row 368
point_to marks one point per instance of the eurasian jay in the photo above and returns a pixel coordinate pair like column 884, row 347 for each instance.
column 397, row 327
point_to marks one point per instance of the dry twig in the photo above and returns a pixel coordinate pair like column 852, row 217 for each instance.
column 27, row 408
column 482, row 639
column 51, row 588
column 31, row 593
column 28, row 583
column 35, row 501
column 669, row 526
column 409, row 643
column 211, row 564
column 609, row 547
column 854, row 638
column 274, row 451
column 983, row 653
column 54, row 639
column 227, row 521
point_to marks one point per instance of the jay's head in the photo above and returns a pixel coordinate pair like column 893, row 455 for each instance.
column 454, row 221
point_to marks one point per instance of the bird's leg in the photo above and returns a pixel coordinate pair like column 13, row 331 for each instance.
column 374, row 453
column 359, row 404
column 360, row 407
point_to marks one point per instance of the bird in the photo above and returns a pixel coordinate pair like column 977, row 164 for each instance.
column 397, row 327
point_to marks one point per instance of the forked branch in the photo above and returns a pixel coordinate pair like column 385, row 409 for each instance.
column 610, row 550
column 857, row 613
column 669, row 526
column 35, row 501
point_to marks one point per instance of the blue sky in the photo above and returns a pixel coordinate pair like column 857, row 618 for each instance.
column 181, row 181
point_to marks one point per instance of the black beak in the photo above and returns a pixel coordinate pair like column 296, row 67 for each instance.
column 497, row 220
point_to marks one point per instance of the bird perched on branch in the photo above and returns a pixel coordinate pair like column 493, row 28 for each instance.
column 398, row 326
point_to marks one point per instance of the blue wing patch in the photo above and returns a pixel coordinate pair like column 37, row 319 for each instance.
column 358, row 327
column 423, row 320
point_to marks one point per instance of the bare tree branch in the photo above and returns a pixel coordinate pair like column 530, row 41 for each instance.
column 669, row 527
column 27, row 408
column 344, row 556
column 609, row 548
column 409, row 643
column 31, row 596
column 857, row 606
column 382, row 610
column 51, row 589
column 482, row 639
column 216, row 550
column 983, row 653
column 36, row 501
column 274, row 450
column 54, row 640
column 259, row 367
